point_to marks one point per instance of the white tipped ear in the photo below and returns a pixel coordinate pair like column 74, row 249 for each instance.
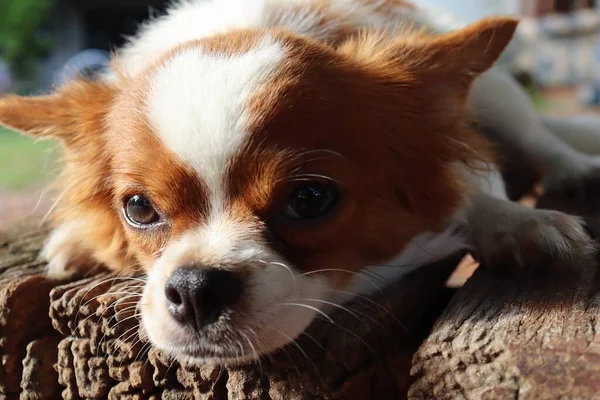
column 72, row 111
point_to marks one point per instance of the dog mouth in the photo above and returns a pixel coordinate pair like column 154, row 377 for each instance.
column 222, row 347
column 230, row 341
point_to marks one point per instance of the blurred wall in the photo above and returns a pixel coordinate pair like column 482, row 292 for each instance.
column 472, row 10
column 68, row 31
column 77, row 25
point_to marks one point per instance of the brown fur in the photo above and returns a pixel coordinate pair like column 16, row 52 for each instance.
column 76, row 115
column 394, row 164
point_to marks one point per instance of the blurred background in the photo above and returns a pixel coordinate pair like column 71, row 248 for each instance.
column 556, row 56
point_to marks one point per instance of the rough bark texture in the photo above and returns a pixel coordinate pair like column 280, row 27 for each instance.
column 501, row 340
column 509, row 339
column 80, row 340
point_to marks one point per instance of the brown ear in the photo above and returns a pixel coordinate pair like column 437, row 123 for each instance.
column 76, row 110
column 422, row 82
column 416, row 55
column 475, row 48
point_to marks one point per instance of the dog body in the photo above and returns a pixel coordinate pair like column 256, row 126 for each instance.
column 257, row 158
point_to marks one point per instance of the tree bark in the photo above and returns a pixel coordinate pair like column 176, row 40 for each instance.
column 80, row 340
column 508, row 339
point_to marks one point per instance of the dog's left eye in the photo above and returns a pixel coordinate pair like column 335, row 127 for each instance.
column 140, row 212
column 312, row 200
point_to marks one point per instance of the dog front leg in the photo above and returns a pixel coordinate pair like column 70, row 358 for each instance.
column 509, row 238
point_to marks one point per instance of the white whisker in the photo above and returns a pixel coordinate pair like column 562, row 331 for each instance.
column 315, row 309
column 365, row 298
column 297, row 345
column 354, row 313
column 284, row 266
column 358, row 274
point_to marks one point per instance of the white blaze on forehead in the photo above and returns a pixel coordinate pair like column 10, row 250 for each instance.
column 196, row 19
column 198, row 106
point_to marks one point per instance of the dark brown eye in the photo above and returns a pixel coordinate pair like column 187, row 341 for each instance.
column 312, row 200
column 139, row 211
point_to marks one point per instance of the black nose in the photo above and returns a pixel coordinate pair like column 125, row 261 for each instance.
column 198, row 296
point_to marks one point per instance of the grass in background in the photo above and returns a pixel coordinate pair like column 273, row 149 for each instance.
column 539, row 102
column 25, row 163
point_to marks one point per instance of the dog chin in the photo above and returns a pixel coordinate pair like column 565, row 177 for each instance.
column 211, row 355
column 234, row 345
column 195, row 355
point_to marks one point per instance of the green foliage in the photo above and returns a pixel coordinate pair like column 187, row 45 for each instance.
column 536, row 97
column 21, row 46
column 25, row 163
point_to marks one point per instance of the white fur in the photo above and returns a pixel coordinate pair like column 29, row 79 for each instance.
column 198, row 107
column 60, row 250
column 439, row 20
column 424, row 249
column 185, row 21
column 488, row 180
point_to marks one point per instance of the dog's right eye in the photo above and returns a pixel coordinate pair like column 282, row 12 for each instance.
column 139, row 212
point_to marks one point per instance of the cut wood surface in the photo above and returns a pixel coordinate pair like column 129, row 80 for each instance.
column 80, row 340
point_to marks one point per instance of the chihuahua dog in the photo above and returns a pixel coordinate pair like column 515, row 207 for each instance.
column 251, row 157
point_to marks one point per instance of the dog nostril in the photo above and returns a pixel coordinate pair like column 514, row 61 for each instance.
column 198, row 296
column 176, row 304
column 212, row 308
column 173, row 296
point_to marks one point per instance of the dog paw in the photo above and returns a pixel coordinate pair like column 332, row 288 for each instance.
column 64, row 254
column 522, row 241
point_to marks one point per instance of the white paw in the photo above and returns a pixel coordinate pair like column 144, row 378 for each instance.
column 63, row 252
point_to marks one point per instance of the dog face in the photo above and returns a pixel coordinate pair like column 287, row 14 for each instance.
column 252, row 174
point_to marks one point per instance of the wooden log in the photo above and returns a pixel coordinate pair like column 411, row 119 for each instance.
column 509, row 339
column 24, row 304
column 81, row 340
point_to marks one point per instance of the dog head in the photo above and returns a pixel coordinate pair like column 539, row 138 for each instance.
column 253, row 173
